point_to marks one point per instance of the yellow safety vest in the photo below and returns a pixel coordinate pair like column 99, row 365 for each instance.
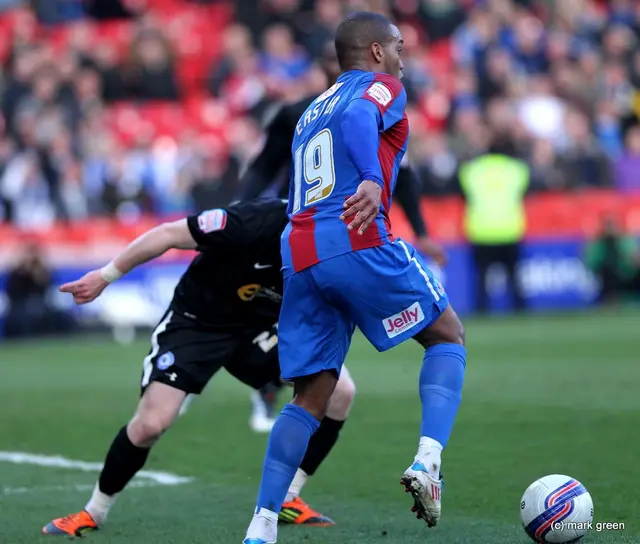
column 494, row 187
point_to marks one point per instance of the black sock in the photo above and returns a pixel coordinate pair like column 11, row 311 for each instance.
column 123, row 461
column 321, row 444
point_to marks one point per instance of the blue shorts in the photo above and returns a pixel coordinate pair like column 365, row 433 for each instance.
column 386, row 291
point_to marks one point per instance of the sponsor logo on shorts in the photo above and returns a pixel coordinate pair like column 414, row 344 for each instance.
column 406, row 319
column 165, row 360
column 212, row 220
column 380, row 93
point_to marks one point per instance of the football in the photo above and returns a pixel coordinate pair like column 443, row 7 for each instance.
column 556, row 508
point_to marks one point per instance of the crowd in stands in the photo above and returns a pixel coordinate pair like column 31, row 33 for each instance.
column 127, row 107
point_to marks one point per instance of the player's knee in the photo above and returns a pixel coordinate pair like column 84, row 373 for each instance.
column 447, row 329
column 342, row 398
column 313, row 393
column 146, row 428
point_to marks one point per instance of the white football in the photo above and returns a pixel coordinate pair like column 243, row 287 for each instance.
column 556, row 508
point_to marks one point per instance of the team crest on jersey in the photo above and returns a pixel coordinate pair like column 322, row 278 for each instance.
column 329, row 92
column 165, row 361
column 380, row 93
column 212, row 220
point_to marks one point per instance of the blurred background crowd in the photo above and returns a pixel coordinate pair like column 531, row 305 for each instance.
column 130, row 108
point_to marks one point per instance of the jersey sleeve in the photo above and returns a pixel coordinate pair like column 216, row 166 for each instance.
column 389, row 96
column 362, row 118
column 238, row 226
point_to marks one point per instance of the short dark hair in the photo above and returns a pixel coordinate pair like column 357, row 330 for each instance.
column 357, row 33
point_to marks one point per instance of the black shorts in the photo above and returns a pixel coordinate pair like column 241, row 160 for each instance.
column 186, row 354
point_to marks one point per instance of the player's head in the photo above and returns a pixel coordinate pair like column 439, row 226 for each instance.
column 369, row 41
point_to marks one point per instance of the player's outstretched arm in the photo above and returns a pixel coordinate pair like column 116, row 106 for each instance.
column 361, row 118
column 151, row 244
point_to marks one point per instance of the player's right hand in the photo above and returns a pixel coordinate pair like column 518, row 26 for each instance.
column 87, row 288
column 365, row 205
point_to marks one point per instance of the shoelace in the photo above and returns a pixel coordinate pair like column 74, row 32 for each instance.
column 70, row 520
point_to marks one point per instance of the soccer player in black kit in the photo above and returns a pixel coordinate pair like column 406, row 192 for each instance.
column 271, row 167
column 223, row 314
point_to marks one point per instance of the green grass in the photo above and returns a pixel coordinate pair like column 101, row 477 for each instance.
column 543, row 394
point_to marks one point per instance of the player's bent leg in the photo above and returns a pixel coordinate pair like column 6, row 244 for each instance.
column 157, row 409
column 295, row 511
column 441, row 380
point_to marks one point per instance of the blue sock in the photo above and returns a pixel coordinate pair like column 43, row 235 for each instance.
column 441, row 380
column 286, row 448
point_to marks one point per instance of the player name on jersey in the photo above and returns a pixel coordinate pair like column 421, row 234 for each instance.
column 323, row 107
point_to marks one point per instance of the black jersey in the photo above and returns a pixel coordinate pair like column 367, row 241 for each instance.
column 235, row 281
column 273, row 164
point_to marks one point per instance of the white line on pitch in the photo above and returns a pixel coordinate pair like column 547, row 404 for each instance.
column 56, row 461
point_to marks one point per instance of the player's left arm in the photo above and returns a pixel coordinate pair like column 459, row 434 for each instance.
column 380, row 106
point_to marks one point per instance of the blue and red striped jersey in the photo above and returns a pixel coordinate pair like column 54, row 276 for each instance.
column 356, row 130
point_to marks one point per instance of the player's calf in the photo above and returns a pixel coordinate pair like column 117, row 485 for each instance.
column 287, row 445
column 294, row 510
column 127, row 454
column 441, row 380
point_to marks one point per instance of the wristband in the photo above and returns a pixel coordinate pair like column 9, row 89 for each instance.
column 110, row 273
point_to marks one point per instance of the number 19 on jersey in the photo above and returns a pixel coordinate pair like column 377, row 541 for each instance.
column 314, row 175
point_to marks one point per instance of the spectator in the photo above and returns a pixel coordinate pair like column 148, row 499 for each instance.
column 545, row 175
column 627, row 169
column 327, row 16
column 541, row 111
column 282, row 61
column 615, row 260
column 112, row 83
column 436, row 165
column 583, row 163
column 28, row 193
column 30, row 310
column 440, row 18
column 495, row 75
column 236, row 48
column 24, row 64
column 152, row 73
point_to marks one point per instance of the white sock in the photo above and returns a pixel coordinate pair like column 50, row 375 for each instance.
column 99, row 505
column 264, row 526
column 296, row 486
column 429, row 454
column 264, row 513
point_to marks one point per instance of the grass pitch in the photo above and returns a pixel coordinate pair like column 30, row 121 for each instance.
column 543, row 394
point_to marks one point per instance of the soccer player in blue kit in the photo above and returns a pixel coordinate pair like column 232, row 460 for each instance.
column 342, row 268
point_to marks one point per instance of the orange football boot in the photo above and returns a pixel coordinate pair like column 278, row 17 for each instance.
column 73, row 524
column 298, row 512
